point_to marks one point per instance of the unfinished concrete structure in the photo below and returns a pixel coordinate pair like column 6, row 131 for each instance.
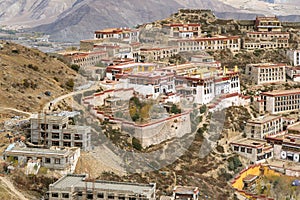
column 55, row 158
column 81, row 187
column 54, row 130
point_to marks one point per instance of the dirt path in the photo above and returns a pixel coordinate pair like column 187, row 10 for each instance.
column 14, row 191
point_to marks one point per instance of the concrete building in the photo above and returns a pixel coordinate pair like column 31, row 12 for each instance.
column 80, row 187
column 256, row 150
column 189, row 30
column 282, row 101
column 264, row 126
column 124, row 34
column 185, row 193
column 204, row 60
column 293, row 73
column 267, row 34
column 294, row 56
column 85, row 59
column 265, row 73
column 151, row 84
column 232, row 43
column 268, row 24
column 55, row 158
column 287, row 147
column 156, row 53
column 54, row 130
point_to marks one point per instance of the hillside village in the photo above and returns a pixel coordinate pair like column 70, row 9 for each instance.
column 189, row 107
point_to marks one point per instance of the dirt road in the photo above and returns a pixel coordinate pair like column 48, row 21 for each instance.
column 14, row 192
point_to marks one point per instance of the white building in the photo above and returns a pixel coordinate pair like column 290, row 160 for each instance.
column 293, row 73
column 205, row 85
column 256, row 150
column 189, row 30
column 282, row 101
column 294, row 56
column 265, row 73
column 124, row 34
column 150, row 84
column 131, row 67
column 264, row 126
column 232, row 43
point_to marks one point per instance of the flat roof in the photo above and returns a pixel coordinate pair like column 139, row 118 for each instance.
column 52, row 151
column 282, row 92
column 294, row 127
column 267, row 65
column 81, row 181
column 263, row 119
column 250, row 142
column 185, row 189
column 250, row 178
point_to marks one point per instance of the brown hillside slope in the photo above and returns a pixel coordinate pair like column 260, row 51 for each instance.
column 26, row 74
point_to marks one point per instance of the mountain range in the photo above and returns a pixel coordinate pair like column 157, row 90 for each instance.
column 73, row 20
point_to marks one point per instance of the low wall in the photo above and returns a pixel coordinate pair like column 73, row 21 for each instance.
column 156, row 132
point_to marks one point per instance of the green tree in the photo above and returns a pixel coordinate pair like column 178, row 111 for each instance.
column 75, row 67
column 136, row 144
column 203, row 109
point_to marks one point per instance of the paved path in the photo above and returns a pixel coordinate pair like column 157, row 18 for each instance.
column 14, row 191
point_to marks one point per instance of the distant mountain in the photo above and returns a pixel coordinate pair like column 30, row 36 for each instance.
column 85, row 16
column 32, row 12
column 73, row 20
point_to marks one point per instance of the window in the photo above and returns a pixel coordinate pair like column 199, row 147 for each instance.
column 100, row 195
column 259, row 150
column 47, row 160
column 57, row 161
column 111, row 196
column 236, row 148
column 55, row 126
column 55, row 135
column 65, row 195
column 249, row 150
column 242, row 149
column 54, row 195
column 55, row 143
column 90, row 196
column 67, row 136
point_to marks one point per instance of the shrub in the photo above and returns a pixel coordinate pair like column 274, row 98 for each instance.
column 135, row 117
column 33, row 67
column 70, row 84
column 136, row 144
column 75, row 67
column 175, row 109
column 56, row 79
column 203, row 109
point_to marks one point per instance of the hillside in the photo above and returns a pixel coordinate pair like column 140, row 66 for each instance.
column 26, row 74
